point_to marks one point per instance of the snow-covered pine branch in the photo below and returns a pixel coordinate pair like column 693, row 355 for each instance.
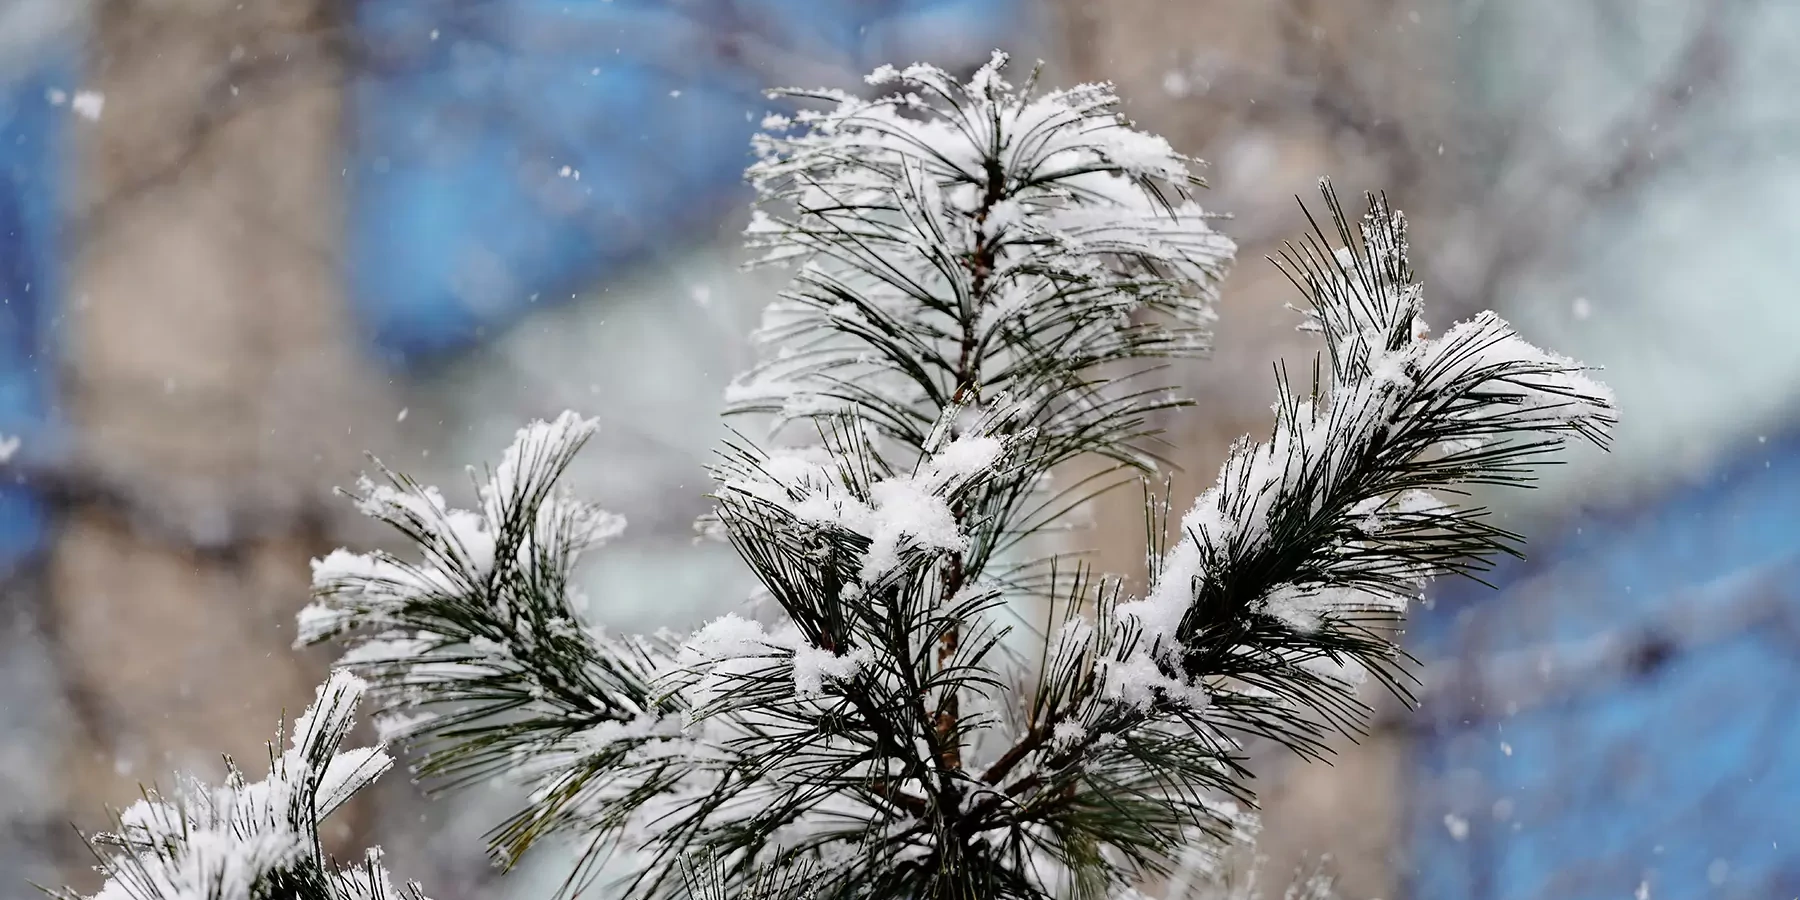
column 245, row 840
column 1289, row 575
column 985, row 277
column 960, row 242
column 480, row 651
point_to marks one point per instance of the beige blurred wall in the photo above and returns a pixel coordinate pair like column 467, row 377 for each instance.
column 210, row 386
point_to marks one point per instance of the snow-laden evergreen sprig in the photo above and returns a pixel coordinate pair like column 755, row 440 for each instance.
column 958, row 241
column 481, row 652
column 984, row 278
column 1341, row 517
column 1289, row 576
column 253, row 840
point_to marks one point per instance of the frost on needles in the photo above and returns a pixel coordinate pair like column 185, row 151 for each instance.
column 260, row 839
column 986, row 283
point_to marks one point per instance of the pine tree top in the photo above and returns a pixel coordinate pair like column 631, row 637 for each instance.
column 986, row 283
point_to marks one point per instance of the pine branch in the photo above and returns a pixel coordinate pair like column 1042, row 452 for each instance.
column 481, row 651
column 256, row 840
column 1294, row 569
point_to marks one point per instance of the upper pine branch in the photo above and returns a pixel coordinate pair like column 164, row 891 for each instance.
column 962, row 242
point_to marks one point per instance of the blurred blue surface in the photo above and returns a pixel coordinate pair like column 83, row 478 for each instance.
column 510, row 153
column 1676, row 773
column 32, row 149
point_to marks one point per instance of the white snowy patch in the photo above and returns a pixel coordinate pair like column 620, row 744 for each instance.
column 814, row 667
column 900, row 512
column 88, row 104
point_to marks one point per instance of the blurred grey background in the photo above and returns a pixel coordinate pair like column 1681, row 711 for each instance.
column 243, row 242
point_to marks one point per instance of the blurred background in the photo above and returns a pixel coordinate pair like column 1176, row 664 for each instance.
column 244, row 241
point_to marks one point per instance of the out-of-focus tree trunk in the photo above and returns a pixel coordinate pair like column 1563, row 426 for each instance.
column 211, row 386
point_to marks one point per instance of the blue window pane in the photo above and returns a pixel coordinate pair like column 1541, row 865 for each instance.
column 1632, row 722
column 32, row 134
column 514, row 152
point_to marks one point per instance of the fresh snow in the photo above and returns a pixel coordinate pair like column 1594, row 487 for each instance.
column 204, row 842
